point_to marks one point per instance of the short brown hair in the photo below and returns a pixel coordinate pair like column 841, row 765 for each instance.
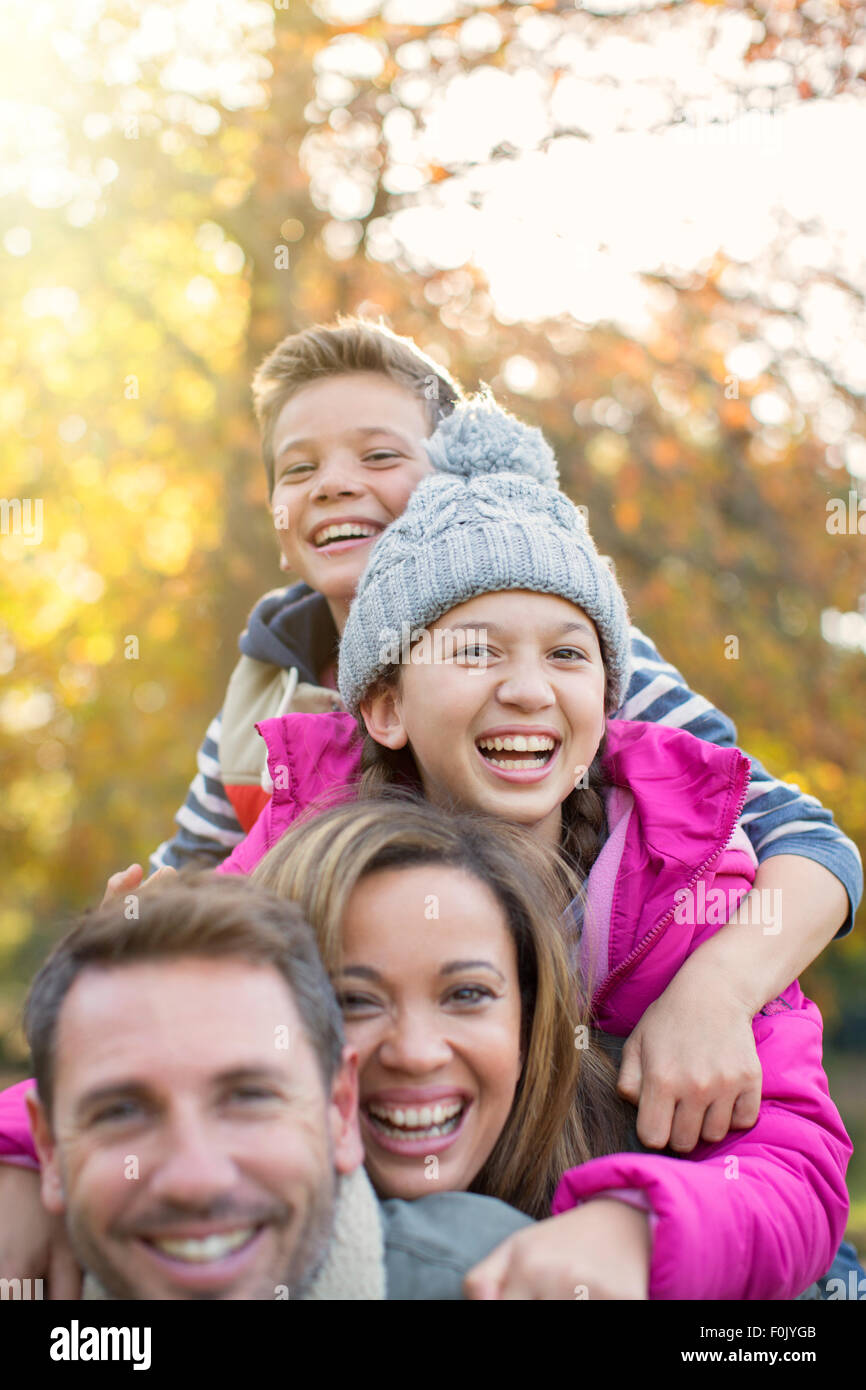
column 194, row 915
column 349, row 345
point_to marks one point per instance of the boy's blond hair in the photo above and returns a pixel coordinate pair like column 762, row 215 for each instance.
column 349, row 345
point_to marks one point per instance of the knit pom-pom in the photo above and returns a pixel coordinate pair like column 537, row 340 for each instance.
column 480, row 437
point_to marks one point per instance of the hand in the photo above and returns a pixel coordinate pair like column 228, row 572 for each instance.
column 33, row 1243
column 127, row 880
column 691, row 1066
column 600, row 1250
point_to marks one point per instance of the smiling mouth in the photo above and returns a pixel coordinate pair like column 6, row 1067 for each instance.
column 519, row 752
column 426, row 1122
column 205, row 1249
column 344, row 531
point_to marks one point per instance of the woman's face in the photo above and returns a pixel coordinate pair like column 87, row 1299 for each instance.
column 503, row 708
column 430, row 996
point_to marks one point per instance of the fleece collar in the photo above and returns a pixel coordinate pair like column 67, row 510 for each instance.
column 292, row 627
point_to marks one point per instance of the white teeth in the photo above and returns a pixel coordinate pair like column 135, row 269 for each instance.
column 520, row 743
column 213, row 1247
column 433, row 1131
column 425, row 1120
column 342, row 532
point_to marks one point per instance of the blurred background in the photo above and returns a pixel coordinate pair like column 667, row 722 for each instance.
column 641, row 224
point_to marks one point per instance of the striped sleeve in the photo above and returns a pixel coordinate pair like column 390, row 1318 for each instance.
column 207, row 827
column 778, row 817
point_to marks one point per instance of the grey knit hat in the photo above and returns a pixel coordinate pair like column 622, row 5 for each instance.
column 467, row 532
column 480, row 437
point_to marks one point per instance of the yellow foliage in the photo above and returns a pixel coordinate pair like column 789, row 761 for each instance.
column 167, row 544
column 15, row 927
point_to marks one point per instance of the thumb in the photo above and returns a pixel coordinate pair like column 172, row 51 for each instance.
column 484, row 1281
column 630, row 1077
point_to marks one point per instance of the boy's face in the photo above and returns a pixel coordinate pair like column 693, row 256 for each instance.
column 348, row 454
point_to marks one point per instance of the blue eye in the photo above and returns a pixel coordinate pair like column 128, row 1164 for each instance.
column 117, row 1112
column 251, row 1094
column 471, row 994
column 354, row 1004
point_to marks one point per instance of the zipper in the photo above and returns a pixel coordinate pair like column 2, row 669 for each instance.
column 644, row 944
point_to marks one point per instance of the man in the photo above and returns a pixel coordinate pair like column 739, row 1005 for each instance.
column 196, row 1116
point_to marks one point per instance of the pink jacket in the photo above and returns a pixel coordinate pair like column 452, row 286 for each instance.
column 759, row 1216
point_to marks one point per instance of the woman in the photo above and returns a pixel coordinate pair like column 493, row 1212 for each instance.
column 439, row 933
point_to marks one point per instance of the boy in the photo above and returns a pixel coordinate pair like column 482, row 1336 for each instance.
column 343, row 414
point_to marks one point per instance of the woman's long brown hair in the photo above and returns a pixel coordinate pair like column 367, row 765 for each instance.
column 565, row 1108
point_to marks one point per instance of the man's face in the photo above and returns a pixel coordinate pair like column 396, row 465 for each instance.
column 193, row 1147
column 349, row 452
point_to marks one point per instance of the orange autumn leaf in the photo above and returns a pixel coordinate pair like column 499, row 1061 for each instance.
column 665, row 452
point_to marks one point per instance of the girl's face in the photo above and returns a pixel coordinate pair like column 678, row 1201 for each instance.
column 430, row 996
column 504, row 710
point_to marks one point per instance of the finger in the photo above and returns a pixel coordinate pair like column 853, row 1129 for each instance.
column 121, row 883
column 655, row 1117
column 480, row 1290
column 747, row 1108
column 717, row 1121
column 686, row 1125
column 161, row 876
column 527, row 1281
column 630, row 1077
column 484, row 1280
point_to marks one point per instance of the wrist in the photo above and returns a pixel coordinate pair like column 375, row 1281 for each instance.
column 726, row 971
column 629, row 1230
column 627, row 1220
